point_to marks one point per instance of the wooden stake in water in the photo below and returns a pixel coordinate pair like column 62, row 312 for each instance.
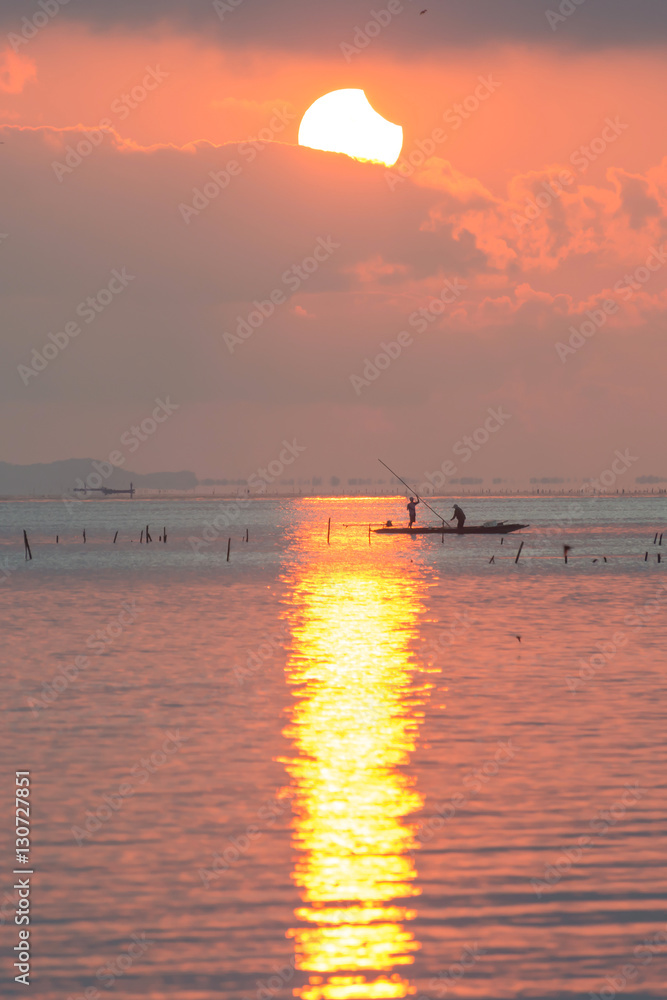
column 229, row 547
column 148, row 537
column 84, row 536
column 518, row 554
column 329, row 532
column 164, row 535
column 115, row 537
column 141, row 536
column 57, row 539
column 566, row 549
column 26, row 546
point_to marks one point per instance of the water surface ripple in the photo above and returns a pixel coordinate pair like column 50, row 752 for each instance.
column 338, row 772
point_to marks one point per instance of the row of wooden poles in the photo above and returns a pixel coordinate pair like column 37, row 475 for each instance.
column 566, row 548
column 146, row 532
column 657, row 540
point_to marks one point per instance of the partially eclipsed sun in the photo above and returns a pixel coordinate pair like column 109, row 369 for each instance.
column 344, row 122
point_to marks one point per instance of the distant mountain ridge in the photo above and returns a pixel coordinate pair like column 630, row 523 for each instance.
column 57, row 478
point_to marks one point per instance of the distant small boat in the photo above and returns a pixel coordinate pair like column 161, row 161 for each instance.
column 104, row 490
column 490, row 528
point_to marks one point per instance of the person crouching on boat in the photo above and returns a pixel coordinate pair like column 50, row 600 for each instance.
column 412, row 513
column 460, row 517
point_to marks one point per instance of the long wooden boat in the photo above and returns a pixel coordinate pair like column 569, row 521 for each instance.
column 500, row 528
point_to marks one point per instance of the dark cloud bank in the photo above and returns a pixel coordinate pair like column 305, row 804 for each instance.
column 322, row 26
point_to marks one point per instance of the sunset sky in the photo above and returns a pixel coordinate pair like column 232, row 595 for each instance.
column 529, row 200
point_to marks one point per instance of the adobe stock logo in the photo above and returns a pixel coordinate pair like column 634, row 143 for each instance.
column 88, row 310
column 626, row 287
column 374, row 368
column 566, row 9
column 364, row 34
column 292, row 278
column 31, row 26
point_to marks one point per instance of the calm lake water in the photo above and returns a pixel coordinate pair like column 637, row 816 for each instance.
column 335, row 772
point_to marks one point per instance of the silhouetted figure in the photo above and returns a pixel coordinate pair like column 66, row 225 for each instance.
column 460, row 517
column 412, row 513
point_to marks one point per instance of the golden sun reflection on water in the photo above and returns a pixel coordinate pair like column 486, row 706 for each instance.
column 353, row 726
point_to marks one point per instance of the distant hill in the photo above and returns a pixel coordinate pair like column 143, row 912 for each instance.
column 56, row 478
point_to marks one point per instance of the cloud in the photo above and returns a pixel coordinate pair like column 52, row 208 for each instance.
column 637, row 203
column 302, row 313
column 225, row 247
column 15, row 72
column 303, row 25
column 207, row 231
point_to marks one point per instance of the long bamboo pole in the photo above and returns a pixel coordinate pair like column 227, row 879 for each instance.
column 421, row 499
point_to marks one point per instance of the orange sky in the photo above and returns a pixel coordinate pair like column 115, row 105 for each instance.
column 547, row 104
column 454, row 218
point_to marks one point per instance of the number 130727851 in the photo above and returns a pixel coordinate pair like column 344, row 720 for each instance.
column 22, row 817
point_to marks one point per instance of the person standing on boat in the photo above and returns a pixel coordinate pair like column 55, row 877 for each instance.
column 412, row 513
column 460, row 517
